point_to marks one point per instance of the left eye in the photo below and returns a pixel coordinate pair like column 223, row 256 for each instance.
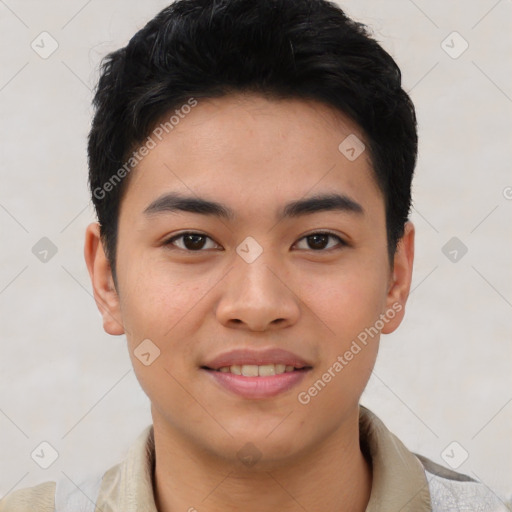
column 191, row 241
column 194, row 242
column 319, row 241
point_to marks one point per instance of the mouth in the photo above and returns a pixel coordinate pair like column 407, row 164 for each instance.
column 257, row 374
column 254, row 370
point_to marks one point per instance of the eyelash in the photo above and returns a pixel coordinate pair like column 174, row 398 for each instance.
column 342, row 242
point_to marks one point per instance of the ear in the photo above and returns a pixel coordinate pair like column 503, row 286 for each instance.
column 105, row 294
column 400, row 280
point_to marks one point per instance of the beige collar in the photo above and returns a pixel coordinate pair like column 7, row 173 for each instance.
column 399, row 481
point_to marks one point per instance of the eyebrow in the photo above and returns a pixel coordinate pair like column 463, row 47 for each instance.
column 173, row 202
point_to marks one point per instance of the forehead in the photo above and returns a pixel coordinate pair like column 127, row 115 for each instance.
column 253, row 149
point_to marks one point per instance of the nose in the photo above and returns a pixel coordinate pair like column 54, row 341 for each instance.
column 257, row 297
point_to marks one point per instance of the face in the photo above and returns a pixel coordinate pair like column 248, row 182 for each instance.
column 259, row 311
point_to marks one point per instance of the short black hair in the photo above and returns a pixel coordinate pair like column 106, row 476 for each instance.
column 281, row 49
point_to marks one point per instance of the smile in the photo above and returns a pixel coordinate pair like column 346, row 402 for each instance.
column 254, row 370
column 256, row 374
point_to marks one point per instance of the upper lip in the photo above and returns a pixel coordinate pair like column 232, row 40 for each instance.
column 256, row 357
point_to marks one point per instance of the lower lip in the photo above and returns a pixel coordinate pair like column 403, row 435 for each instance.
column 258, row 387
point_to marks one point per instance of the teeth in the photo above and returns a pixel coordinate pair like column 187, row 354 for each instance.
column 266, row 370
column 236, row 369
column 254, row 370
column 250, row 370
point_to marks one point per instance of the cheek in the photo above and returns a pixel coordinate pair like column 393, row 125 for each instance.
column 158, row 307
column 150, row 294
column 347, row 303
column 164, row 306
column 349, row 307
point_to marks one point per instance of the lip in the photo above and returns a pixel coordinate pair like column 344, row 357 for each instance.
column 259, row 357
column 257, row 387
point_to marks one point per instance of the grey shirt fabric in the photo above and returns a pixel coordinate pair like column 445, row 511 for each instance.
column 402, row 482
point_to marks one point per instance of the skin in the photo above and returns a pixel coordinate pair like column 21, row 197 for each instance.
column 253, row 155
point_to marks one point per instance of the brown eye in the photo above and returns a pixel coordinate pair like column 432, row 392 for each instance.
column 192, row 242
column 320, row 241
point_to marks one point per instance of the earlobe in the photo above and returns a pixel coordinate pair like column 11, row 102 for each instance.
column 400, row 283
column 105, row 293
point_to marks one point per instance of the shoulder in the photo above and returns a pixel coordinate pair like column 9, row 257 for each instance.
column 56, row 496
column 89, row 489
column 39, row 497
column 451, row 491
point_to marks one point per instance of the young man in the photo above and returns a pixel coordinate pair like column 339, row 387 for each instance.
column 251, row 165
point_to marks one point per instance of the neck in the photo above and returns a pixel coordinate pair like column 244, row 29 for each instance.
column 334, row 477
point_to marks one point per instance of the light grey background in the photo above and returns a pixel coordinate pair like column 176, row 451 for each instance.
column 444, row 376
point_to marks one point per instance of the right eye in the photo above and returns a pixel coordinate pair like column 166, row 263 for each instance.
column 190, row 241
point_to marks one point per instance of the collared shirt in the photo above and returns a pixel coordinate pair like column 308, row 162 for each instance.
column 402, row 482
